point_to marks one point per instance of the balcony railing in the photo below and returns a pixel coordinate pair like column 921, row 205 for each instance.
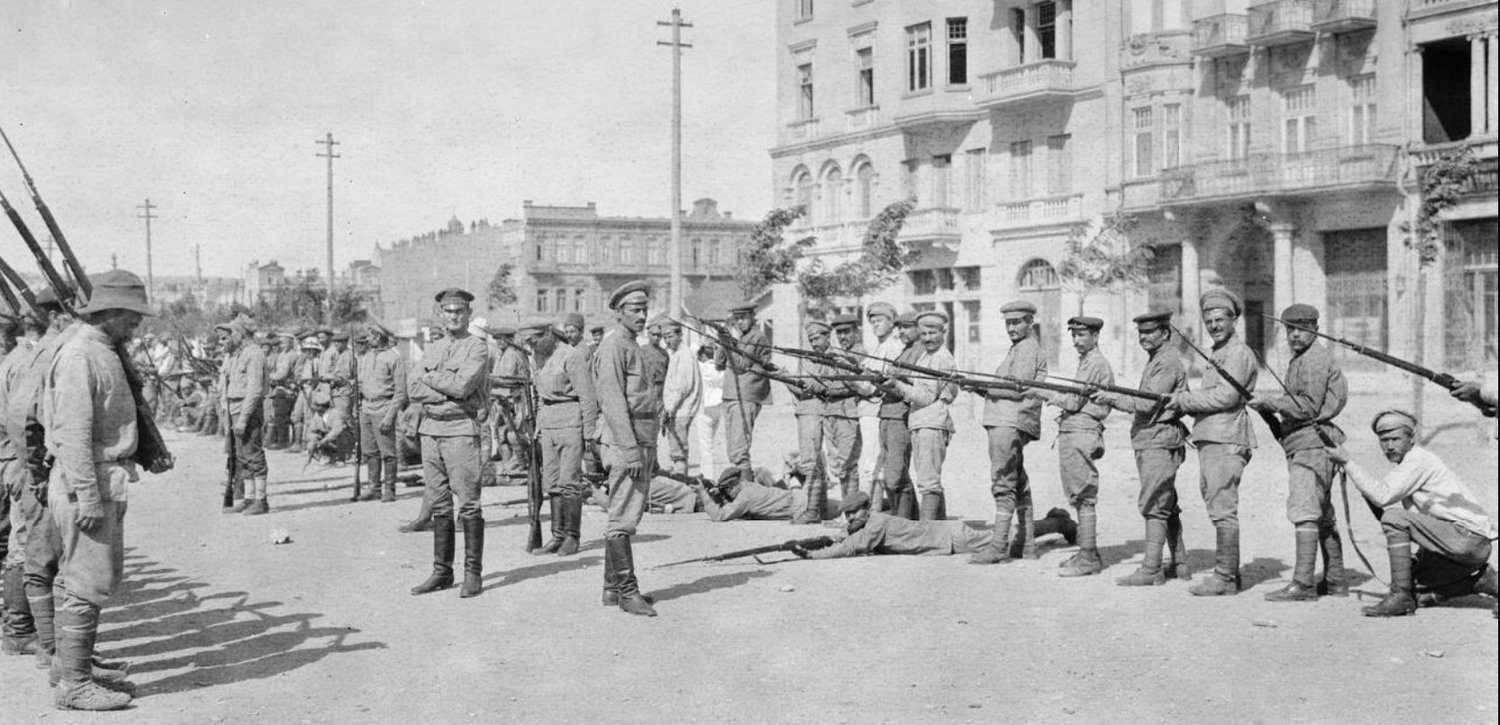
column 1281, row 22
column 804, row 129
column 1282, row 174
column 932, row 225
column 1042, row 79
column 1220, row 36
column 863, row 118
column 1342, row 16
column 1046, row 210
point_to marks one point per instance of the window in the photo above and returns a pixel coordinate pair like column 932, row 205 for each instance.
column 627, row 250
column 1020, row 170
column 923, row 282
column 1143, row 125
column 1171, row 135
column 564, row 251
column 971, row 312
column 1038, row 274
column 941, row 169
column 864, row 82
column 606, row 251
column 580, row 250
column 697, row 253
column 805, row 196
column 974, row 179
column 805, row 96
column 1362, row 114
column 541, row 300
column 561, row 297
column 1059, row 166
column 1152, row 15
column 1018, row 31
column 580, row 300
column 1238, row 137
column 919, row 57
column 804, row 9
column 865, row 190
column 1046, row 29
column 958, row 51
column 970, row 277
column 713, row 253
column 1300, row 123
column 540, row 243
column 834, row 201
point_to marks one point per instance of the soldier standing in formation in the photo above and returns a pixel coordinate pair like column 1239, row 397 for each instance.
column 888, row 345
column 568, row 415
column 306, row 372
column 283, row 391
column 450, row 389
column 746, row 389
column 242, row 380
column 841, row 413
column 928, row 420
column 809, row 414
column 895, row 437
column 382, row 396
column 1013, row 420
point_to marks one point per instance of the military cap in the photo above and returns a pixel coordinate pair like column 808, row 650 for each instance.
column 854, row 501
column 374, row 327
column 1153, row 320
column 1082, row 322
column 288, row 334
column 1220, row 298
column 926, row 318
column 634, row 291
column 1300, row 314
column 302, row 332
column 500, row 330
column 341, row 336
column 881, row 308
column 323, row 330
column 534, row 324
column 658, row 321
column 812, row 326
column 362, row 338
column 906, row 319
column 1017, row 307
column 454, row 296
column 117, row 289
column 846, row 320
column 311, row 343
column 746, row 306
column 732, row 474
column 596, row 327
column 573, row 320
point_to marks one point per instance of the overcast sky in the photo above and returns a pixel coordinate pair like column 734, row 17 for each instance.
column 212, row 109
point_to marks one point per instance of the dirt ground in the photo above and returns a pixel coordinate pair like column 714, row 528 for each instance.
column 223, row 626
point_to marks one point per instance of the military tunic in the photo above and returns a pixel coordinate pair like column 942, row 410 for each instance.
column 569, row 415
column 243, row 382
column 630, row 417
column 871, row 445
column 382, row 396
column 1221, row 431
column 1080, row 432
column 1011, row 421
column 895, row 437
column 682, row 396
column 1315, row 394
column 1158, row 440
column 809, row 413
column 841, row 401
column 884, row 534
column 929, row 421
column 745, row 391
column 450, row 389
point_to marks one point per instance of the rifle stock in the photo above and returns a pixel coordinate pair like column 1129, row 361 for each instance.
column 810, row 544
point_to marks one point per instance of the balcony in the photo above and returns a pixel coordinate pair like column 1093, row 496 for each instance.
column 1220, row 36
column 1486, row 178
column 1140, row 194
column 1046, row 210
column 1320, row 171
column 1043, row 80
column 938, row 226
column 804, row 129
column 860, row 119
column 1282, row 22
column 1342, row 16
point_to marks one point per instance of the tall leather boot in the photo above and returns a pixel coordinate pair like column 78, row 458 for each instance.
column 371, row 490
column 1178, row 569
column 572, row 510
column 1023, row 546
column 39, row 598
column 1225, row 579
column 388, row 482
column 817, row 497
column 998, row 551
column 555, row 504
column 442, row 557
column 1150, row 574
column 20, row 628
column 1335, row 582
column 1399, row 602
column 931, row 504
column 631, row 600
column 877, row 498
column 1302, row 588
column 1087, row 562
column 77, row 629
column 906, row 504
column 473, row 558
column 900, row 505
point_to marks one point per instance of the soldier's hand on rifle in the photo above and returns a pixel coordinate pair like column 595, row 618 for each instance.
column 1261, row 403
column 1171, row 405
column 1337, row 454
column 797, row 548
column 239, row 427
column 1467, row 391
column 1102, row 398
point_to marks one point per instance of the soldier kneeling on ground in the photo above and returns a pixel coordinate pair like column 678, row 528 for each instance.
column 876, row 533
column 329, row 437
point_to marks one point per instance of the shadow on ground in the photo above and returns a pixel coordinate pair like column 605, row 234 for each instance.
column 707, row 584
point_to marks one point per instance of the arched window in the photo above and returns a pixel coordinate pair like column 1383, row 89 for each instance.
column 804, row 198
column 833, row 182
column 864, row 190
column 1037, row 275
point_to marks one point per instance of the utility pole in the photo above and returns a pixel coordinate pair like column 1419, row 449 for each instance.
column 150, row 277
column 328, row 143
column 675, row 293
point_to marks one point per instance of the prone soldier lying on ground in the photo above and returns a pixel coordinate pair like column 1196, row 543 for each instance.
column 877, row 533
column 736, row 496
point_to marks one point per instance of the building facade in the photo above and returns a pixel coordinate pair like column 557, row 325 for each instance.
column 562, row 259
column 1274, row 148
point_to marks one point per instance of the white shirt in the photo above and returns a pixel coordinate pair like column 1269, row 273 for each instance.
column 713, row 383
column 1423, row 482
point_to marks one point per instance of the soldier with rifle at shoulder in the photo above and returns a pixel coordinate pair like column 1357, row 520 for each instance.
column 746, row 387
column 1011, row 421
column 841, row 412
column 568, row 415
column 930, row 423
column 382, row 393
column 242, row 383
column 810, row 430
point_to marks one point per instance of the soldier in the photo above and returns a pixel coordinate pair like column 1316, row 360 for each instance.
column 1080, row 442
column 895, row 437
column 19, row 629
column 242, row 383
column 568, row 415
column 1437, row 512
column 1222, row 435
column 841, row 413
column 382, row 396
column 283, row 395
column 1013, row 420
column 810, row 430
column 1159, row 443
column 513, row 415
column 89, row 415
column 340, row 375
column 888, row 345
column 682, row 394
column 710, row 414
column 928, row 419
column 1315, row 394
column 758, row 498
column 629, row 415
column 450, row 389
column 306, row 374
column 572, row 327
column 871, row 532
column 745, row 388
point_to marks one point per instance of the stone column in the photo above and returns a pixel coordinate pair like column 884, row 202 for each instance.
column 1492, row 104
column 1310, row 282
column 1191, row 283
column 1477, row 104
column 1065, row 29
column 1282, row 234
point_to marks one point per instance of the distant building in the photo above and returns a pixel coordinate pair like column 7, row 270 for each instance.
column 563, row 259
column 209, row 291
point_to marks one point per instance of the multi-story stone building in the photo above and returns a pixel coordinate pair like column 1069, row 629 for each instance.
column 562, row 259
column 1271, row 147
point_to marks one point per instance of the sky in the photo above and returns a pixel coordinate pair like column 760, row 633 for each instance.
column 213, row 109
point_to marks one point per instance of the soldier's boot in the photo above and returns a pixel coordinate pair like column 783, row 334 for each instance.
column 442, row 557
column 388, row 485
column 39, row 599
column 1335, row 582
column 19, row 626
column 1302, row 588
column 423, row 521
column 1024, row 545
column 473, row 558
column 1178, row 569
column 1057, row 521
column 1489, row 585
column 907, row 504
column 1399, row 602
column 260, row 505
column 942, row 508
column 245, row 498
column 572, row 510
column 611, row 596
column 555, row 504
column 931, row 503
column 631, row 600
column 998, row 550
column 296, row 446
column 900, row 505
column 77, row 630
column 371, row 490
column 1225, row 578
column 878, row 501
column 1088, row 561
column 817, row 498
column 1150, row 574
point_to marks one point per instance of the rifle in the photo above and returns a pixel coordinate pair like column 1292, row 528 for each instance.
column 1272, row 422
column 69, row 258
column 12, row 303
column 231, row 467
column 532, row 444
column 1448, row 382
column 10, row 279
column 711, row 487
column 1158, row 399
column 812, row 544
column 359, row 438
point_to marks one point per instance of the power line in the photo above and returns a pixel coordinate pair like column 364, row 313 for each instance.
column 150, row 271
column 328, row 143
column 675, row 294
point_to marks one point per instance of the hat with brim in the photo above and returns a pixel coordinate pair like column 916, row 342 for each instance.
column 845, row 321
column 117, row 290
column 1017, row 308
column 633, row 292
column 881, row 308
column 1301, row 314
column 854, row 502
column 907, row 319
column 1152, row 320
column 1220, row 298
column 1082, row 322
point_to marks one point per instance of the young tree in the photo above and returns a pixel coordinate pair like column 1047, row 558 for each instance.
column 766, row 259
column 500, row 292
column 881, row 262
column 1102, row 257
